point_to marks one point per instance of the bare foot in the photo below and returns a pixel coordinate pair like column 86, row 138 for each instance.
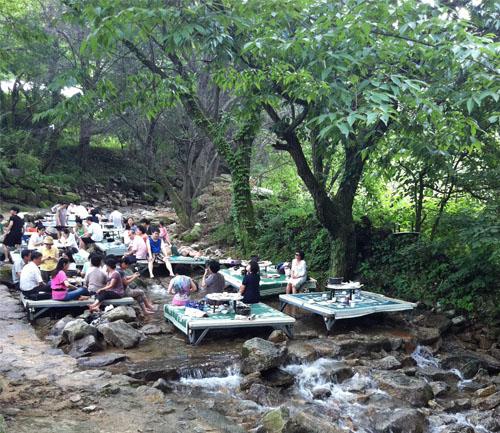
column 83, row 298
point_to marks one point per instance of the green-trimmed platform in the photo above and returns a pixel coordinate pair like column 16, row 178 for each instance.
column 268, row 286
column 368, row 303
column 197, row 328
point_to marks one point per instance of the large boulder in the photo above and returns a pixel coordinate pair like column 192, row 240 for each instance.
column 365, row 345
column 415, row 391
column 264, row 395
column 428, row 336
column 469, row 362
column 76, row 329
column 120, row 334
column 123, row 312
column 84, row 346
column 274, row 421
column 300, row 352
column 101, row 361
column 58, row 328
column 304, row 422
column 400, row 421
column 258, row 354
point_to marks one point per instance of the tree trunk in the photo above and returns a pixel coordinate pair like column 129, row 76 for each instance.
column 84, row 142
column 419, row 202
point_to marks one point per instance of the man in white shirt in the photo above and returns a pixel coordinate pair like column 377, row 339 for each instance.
column 31, row 282
column 36, row 239
column 19, row 265
column 116, row 217
column 137, row 247
column 81, row 211
column 93, row 233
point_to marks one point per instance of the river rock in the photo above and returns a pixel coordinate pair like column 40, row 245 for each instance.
column 277, row 336
column 304, row 422
column 258, row 354
column 101, row 361
column 120, row 334
column 263, row 395
column 163, row 386
column 152, row 329
column 458, row 321
column 387, row 363
column 248, row 380
column 412, row 390
column 275, row 420
column 76, row 329
column 300, row 352
column 340, row 372
column 366, row 345
column 469, row 362
column 458, row 405
column 278, row 377
column 428, row 336
column 84, row 346
column 486, row 392
column 321, row 392
column 437, row 374
column 400, row 421
column 150, row 395
column 489, row 420
column 123, row 312
column 58, row 328
column 152, row 370
column 439, row 388
column 458, row 428
column 488, row 403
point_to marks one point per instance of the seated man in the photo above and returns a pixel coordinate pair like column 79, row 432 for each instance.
column 31, row 282
column 213, row 281
column 137, row 249
column 36, row 239
column 131, row 289
column 18, row 267
column 95, row 278
column 93, row 233
column 157, row 251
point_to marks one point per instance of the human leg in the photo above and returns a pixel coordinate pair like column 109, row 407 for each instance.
column 168, row 266
column 75, row 294
column 151, row 262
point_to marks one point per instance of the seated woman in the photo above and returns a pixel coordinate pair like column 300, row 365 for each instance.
column 213, row 281
column 250, row 286
column 68, row 243
column 298, row 275
column 61, row 287
column 95, row 278
column 157, row 251
column 36, row 239
column 114, row 286
column 181, row 287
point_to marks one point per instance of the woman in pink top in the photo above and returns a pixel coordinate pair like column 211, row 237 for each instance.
column 60, row 284
column 164, row 234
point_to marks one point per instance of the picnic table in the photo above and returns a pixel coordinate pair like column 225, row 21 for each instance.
column 319, row 303
column 197, row 328
column 268, row 285
column 111, row 248
column 35, row 309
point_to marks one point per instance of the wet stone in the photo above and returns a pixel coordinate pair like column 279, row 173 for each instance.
column 400, row 421
column 102, row 360
column 259, row 355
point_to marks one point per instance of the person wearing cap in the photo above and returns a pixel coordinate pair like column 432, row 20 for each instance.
column 36, row 239
column 93, row 233
column 13, row 232
column 50, row 256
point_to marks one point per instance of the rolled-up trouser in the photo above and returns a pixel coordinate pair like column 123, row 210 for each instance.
column 38, row 293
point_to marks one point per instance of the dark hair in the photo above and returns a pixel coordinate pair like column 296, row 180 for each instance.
column 1, row 216
column 89, row 218
column 300, row 253
column 35, row 255
column 96, row 260
column 78, row 220
column 40, row 227
column 65, row 231
column 141, row 228
column 111, row 263
column 155, row 230
column 25, row 253
column 214, row 266
column 145, row 221
column 182, row 270
column 161, row 223
column 61, row 264
column 254, row 267
column 15, row 209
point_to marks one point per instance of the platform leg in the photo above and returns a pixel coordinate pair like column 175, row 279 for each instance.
column 329, row 322
column 282, row 306
column 288, row 330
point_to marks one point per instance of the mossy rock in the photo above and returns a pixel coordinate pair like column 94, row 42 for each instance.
column 274, row 421
column 71, row 197
column 148, row 197
column 157, row 191
column 32, row 198
column 44, row 204
column 43, row 193
column 194, row 234
column 13, row 193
